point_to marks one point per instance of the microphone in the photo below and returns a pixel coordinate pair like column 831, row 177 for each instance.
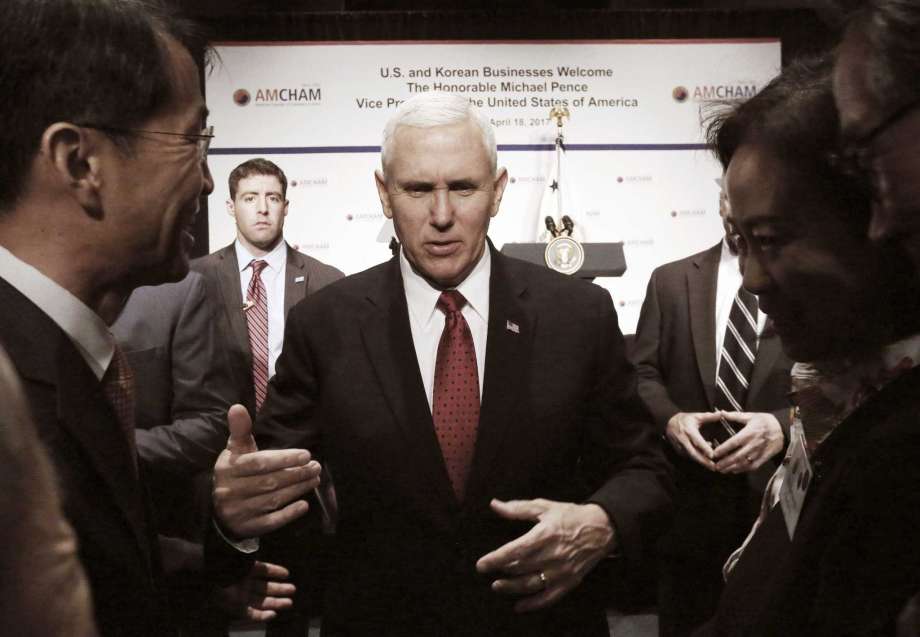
column 568, row 224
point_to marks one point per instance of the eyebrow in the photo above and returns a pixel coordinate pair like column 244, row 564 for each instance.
column 253, row 192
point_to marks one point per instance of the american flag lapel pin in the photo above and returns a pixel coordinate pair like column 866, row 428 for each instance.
column 511, row 326
column 298, row 279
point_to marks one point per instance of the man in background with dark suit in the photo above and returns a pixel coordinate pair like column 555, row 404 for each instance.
column 260, row 264
column 252, row 285
column 103, row 167
column 480, row 415
column 693, row 338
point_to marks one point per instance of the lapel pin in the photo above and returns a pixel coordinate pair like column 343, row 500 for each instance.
column 247, row 305
column 512, row 327
column 298, row 279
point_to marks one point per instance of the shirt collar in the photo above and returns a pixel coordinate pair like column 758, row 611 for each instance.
column 274, row 259
column 422, row 297
column 83, row 326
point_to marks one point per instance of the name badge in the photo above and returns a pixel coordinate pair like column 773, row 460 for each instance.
column 798, row 477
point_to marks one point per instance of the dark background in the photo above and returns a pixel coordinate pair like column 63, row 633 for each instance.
column 803, row 26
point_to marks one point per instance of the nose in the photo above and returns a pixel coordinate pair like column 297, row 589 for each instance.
column 756, row 280
column 207, row 183
column 442, row 210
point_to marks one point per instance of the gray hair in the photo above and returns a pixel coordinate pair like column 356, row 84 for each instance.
column 436, row 108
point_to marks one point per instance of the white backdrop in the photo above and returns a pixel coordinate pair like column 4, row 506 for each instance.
column 635, row 170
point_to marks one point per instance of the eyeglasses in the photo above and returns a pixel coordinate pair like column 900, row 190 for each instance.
column 202, row 140
column 855, row 158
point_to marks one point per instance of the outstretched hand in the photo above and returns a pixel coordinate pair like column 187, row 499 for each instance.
column 254, row 491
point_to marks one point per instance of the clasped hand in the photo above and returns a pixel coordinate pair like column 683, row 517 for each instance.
column 758, row 439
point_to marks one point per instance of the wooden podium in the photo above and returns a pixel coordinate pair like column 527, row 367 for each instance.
column 601, row 259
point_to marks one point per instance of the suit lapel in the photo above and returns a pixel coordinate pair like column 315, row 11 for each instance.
column 388, row 340
column 228, row 277
column 43, row 354
column 295, row 279
column 701, row 295
column 768, row 351
column 84, row 413
column 508, row 347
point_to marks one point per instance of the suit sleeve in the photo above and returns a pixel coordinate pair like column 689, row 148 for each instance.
column 622, row 447
column 646, row 356
column 201, row 395
column 285, row 418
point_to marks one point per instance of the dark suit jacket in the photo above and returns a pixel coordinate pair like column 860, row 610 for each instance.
column 222, row 275
column 560, row 419
column 168, row 334
column 675, row 357
column 854, row 561
column 102, row 499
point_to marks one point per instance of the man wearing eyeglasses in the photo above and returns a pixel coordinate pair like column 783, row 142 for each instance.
column 877, row 90
column 488, row 445
column 100, row 181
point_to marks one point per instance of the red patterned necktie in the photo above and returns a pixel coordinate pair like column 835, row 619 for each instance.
column 456, row 391
column 118, row 387
column 257, row 322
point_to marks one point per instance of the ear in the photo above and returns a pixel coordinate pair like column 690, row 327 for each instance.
column 231, row 210
column 73, row 157
column 501, row 180
column 286, row 203
column 382, row 192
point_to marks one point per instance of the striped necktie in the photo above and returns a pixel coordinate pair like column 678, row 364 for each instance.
column 739, row 347
column 257, row 322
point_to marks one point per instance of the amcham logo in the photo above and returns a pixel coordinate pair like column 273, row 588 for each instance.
column 286, row 96
column 708, row 92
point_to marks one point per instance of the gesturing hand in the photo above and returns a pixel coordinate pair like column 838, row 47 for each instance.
column 259, row 595
column 551, row 558
column 259, row 491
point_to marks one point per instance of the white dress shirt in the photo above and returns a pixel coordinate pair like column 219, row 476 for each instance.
column 86, row 329
column 727, row 284
column 273, row 279
column 427, row 321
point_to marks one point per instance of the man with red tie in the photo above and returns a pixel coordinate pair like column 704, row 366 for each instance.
column 489, row 447
column 258, row 278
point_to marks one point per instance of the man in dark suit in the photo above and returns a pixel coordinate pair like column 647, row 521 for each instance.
column 258, row 203
column 92, row 205
column 488, row 445
column 833, row 551
column 168, row 335
column 682, row 328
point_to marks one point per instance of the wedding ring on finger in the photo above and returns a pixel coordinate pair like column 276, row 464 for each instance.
column 543, row 582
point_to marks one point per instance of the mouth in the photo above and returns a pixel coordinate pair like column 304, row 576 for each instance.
column 442, row 248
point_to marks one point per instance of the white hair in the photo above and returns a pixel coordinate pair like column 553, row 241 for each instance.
column 436, row 108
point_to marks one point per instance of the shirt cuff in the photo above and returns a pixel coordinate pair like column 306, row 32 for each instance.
column 246, row 545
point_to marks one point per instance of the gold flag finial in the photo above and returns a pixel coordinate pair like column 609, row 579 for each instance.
column 559, row 113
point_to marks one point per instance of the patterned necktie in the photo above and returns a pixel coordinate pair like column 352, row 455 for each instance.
column 257, row 322
column 456, row 392
column 118, row 387
column 739, row 348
